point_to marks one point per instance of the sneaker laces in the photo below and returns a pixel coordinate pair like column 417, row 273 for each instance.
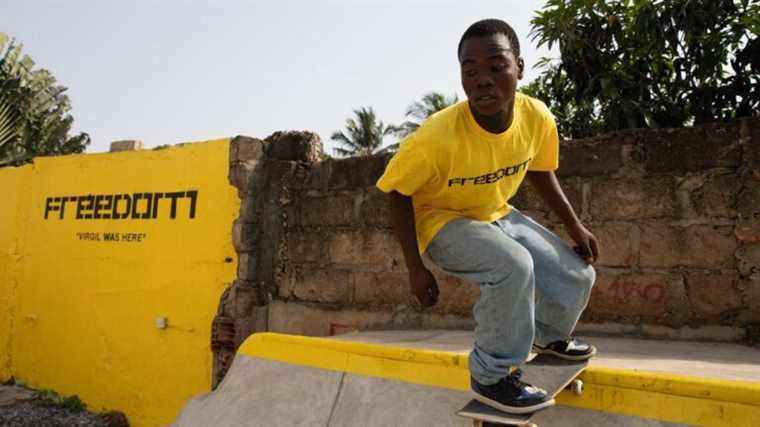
column 514, row 379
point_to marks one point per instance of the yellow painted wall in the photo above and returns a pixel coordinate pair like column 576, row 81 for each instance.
column 12, row 182
column 86, row 310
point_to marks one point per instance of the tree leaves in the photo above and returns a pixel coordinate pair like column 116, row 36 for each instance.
column 34, row 110
column 647, row 63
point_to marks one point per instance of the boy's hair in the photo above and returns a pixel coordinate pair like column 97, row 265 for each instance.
column 489, row 27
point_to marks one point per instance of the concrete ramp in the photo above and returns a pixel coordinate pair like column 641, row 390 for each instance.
column 281, row 380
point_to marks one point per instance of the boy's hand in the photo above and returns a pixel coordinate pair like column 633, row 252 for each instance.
column 424, row 286
column 588, row 245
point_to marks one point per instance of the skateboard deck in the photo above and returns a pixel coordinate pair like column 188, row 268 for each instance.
column 548, row 372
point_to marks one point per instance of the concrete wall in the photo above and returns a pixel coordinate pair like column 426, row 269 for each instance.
column 677, row 212
column 97, row 251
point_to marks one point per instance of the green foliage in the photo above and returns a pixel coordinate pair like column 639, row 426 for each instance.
column 51, row 398
column 364, row 134
column 648, row 63
column 419, row 111
column 34, row 111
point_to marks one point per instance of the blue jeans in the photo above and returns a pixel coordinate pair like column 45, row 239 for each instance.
column 512, row 259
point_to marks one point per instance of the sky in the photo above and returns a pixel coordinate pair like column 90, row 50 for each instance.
column 175, row 71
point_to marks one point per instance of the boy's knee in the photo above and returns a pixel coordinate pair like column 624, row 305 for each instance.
column 518, row 268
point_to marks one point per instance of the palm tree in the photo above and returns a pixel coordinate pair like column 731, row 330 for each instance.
column 34, row 110
column 430, row 104
column 364, row 134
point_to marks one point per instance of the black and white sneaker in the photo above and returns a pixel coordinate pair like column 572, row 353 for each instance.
column 572, row 349
column 511, row 395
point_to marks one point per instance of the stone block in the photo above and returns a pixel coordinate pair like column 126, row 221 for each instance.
column 590, row 157
column 245, row 148
column 241, row 176
column 327, row 286
column 301, row 146
column 527, row 198
column 357, row 172
column 375, row 208
column 713, row 293
column 748, row 200
column 243, row 236
column 717, row 196
column 126, row 145
column 247, row 266
column 248, row 209
column 692, row 149
column 331, row 210
column 703, row 246
column 629, row 294
column 378, row 250
column 618, row 199
column 381, row 289
column 750, row 291
column 456, row 296
column 712, row 333
column 748, row 259
column 619, row 243
column 299, row 319
column 748, row 230
column 306, row 247
column 752, row 147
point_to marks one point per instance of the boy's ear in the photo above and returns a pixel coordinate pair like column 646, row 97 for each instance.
column 520, row 68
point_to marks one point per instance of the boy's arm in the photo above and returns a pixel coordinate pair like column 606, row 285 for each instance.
column 548, row 187
column 422, row 282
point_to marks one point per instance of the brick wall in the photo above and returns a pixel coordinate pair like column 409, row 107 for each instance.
column 677, row 212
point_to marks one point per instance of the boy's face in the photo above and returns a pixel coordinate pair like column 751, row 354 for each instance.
column 490, row 71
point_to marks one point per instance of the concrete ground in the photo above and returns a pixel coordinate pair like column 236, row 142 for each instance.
column 711, row 360
column 359, row 379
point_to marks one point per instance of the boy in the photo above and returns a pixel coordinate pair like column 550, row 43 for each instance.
column 448, row 187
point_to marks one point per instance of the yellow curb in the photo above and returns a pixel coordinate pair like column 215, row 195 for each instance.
column 654, row 395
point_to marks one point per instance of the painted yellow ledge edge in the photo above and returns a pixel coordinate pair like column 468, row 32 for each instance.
column 657, row 395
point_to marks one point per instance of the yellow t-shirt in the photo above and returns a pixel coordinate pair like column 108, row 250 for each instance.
column 453, row 168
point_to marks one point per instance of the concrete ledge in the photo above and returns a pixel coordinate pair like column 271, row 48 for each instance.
column 655, row 395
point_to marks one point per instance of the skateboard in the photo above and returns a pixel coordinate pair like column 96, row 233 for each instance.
column 548, row 372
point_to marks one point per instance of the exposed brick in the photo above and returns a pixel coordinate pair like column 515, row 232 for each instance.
column 248, row 210
column 245, row 148
column 247, row 266
column 748, row 230
column 375, row 249
column 750, row 291
column 752, row 148
column 703, row 246
column 315, row 285
column 306, row 247
column 717, row 196
column 748, row 200
column 629, row 294
column 375, row 208
column 590, row 157
column 243, row 236
column 692, row 149
column 748, row 257
column 456, row 296
column 619, row 243
column 527, row 198
column 241, row 175
column 381, row 289
column 630, row 199
column 302, row 146
column 292, row 318
column 356, row 172
column 332, row 210
column 711, row 294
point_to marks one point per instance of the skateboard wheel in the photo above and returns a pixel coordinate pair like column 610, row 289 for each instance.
column 577, row 387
